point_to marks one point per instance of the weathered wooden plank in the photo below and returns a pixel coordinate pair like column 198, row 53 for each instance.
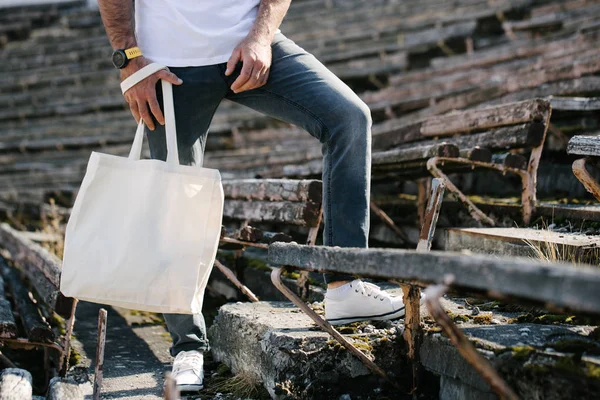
column 556, row 285
column 486, row 118
column 41, row 267
column 524, row 242
column 584, row 145
column 575, row 103
column 415, row 153
column 511, row 137
column 37, row 329
column 303, row 214
column 15, row 384
column 8, row 326
column 274, row 190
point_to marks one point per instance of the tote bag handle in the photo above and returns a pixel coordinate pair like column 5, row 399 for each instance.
column 171, row 133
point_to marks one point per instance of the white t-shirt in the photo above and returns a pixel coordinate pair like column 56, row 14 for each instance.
column 191, row 33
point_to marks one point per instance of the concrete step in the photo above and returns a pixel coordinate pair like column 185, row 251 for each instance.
column 278, row 345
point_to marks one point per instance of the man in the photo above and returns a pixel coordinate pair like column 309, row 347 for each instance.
column 232, row 49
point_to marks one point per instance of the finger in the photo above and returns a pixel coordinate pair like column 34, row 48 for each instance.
column 155, row 108
column 264, row 77
column 169, row 77
column 232, row 62
column 253, row 82
column 146, row 116
column 134, row 111
column 245, row 75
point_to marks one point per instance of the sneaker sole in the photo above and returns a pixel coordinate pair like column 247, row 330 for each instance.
column 189, row 388
column 343, row 321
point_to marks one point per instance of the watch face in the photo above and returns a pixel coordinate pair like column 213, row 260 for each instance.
column 119, row 58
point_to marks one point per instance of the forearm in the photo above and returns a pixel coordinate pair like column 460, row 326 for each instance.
column 270, row 15
column 117, row 16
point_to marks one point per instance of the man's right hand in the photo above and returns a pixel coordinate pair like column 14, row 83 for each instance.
column 142, row 97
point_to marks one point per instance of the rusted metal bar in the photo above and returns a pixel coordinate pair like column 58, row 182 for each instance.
column 389, row 222
column 526, row 179
column 423, row 187
column 323, row 324
column 475, row 212
column 171, row 392
column 233, row 279
column 314, row 231
column 412, row 329
column 241, row 242
column 529, row 196
column 100, row 353
column 582, row 174
column 5, row 362
column 464, row 346
column 432, row 212
column 413, row 333
column 63, row 363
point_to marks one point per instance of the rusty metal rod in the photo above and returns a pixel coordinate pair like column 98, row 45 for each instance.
column 233, row 279
column 247, row 244
column 582, row 174
column 389, row 222
column 464, row 346
column 100, row 354
column 323, row 324
column 63, row 363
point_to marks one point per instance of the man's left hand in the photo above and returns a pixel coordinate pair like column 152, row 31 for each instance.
column 256, row 57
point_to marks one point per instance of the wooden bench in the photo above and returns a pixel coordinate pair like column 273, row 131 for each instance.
column 255, row 208
column 29, row 296
column 589, row 148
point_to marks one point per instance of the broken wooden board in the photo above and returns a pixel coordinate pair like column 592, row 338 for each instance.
column 584, row 146
column 41, row 267
column 555, row 285
column 274, row 189
column 525, row 242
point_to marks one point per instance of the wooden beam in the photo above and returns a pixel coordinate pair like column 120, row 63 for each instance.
column 303, row 214
column 486, row 118
column 415, row 153
column 509, row 137
column 41, row 267
column 555, row 285
column 274, row 190
column 584, row 145
column 37, row 329
column 575, row 103
column 8, row 326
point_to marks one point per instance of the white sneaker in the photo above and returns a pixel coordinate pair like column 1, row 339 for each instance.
column 188, row 371
column 358, row 301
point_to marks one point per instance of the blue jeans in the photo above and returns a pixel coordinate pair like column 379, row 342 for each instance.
column 303, row 92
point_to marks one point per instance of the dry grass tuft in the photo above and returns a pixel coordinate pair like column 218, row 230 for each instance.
column 243, row 385
column 52, row 224
column 549, row 251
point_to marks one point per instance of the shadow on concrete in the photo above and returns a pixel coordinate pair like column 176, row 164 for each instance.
column 131, row 367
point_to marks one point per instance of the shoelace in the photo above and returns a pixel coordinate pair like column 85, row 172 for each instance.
column 188, row 362
column 370, row 289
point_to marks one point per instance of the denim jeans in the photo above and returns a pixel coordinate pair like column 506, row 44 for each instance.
column 303, row 92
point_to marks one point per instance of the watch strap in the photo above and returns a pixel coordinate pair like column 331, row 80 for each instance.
column 133, row 52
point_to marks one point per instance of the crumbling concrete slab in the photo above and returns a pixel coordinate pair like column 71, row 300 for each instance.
column 280, row 346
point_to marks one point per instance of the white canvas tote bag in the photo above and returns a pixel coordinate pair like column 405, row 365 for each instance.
column 143, row 234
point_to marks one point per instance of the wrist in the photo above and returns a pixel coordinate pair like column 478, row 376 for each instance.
column 261, row 38
column 132, row 66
